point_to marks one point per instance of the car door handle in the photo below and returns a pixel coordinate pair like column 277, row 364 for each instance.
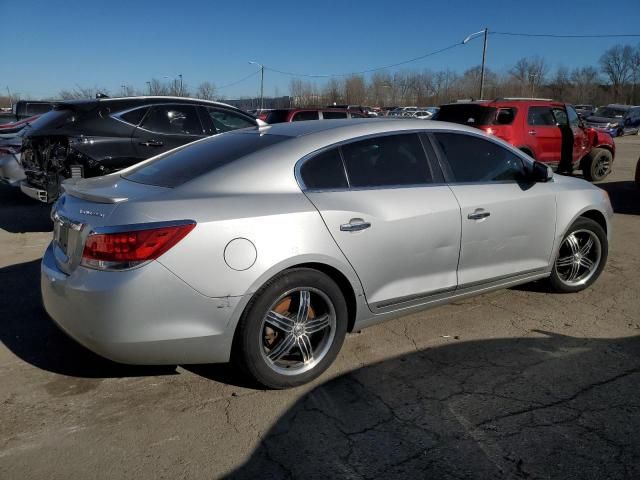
column 531, row 132
column 152, row 143
column 478, row 215
column 354, row 225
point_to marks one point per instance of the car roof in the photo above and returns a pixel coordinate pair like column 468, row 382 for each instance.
column 355, row 126
column 144, row 100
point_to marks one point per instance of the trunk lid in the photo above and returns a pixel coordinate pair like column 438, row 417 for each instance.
column 86, row 205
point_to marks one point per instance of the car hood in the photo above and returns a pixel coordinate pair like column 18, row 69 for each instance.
column 595, row 119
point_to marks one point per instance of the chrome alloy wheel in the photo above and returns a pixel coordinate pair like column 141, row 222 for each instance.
column 578, row 258
column 297, row 331
column 602, row 166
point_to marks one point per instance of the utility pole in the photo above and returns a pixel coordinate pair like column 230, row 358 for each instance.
column 485, row 31
column 181, row 90
column 261, row 83
column 149, row 85
column 484, row 57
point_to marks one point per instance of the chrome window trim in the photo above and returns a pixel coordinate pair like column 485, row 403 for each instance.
column 135, row 227
column 117, row 116
column 339, row 145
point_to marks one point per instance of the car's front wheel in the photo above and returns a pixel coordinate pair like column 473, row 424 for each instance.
column 597, row 164
column 292, row 329
column 581, row 257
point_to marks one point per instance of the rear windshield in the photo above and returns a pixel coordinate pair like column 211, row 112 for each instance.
column 467, row 114
column 191, row 161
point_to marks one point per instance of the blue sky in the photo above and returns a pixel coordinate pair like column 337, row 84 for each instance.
column 51, row 45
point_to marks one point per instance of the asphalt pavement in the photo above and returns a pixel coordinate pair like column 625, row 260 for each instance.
column 519, row 383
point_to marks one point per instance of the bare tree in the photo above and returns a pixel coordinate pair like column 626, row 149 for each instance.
column 585, row 82
column 617, row 64
column 529, row 72
column 560, row 84
column 156, row 87
column 355, row 90
column 206, row 91
column 82, row 93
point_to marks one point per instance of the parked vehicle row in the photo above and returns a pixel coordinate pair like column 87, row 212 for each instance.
column 616, row 120
column 266, row 245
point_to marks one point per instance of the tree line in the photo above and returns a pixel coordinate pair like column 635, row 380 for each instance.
column 615, row 79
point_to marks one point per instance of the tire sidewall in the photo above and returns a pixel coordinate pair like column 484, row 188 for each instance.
column 582, row 223
column 247, row 347
column 596, row 155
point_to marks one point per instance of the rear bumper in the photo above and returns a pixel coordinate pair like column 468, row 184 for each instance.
column 145, row 316
column 33, row 192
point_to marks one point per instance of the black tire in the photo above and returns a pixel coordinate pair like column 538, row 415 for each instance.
column 250, row 342
column 620, row 133
column 582, row 224
column 593, row 165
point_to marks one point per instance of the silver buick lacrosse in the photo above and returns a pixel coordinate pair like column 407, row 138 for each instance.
column 266, row 245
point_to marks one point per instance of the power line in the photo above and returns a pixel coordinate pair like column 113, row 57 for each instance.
column 553, row 35
column 404, row 62
column 238, row 81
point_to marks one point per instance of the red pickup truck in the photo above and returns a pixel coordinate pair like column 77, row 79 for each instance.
column 550, row 132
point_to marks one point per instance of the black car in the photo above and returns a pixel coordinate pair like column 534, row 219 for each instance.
column 88, row 138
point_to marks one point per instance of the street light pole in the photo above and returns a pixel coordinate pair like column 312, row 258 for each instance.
column 10, row 98
column 484, row 32
column 181, row 90
column 261, row 83
column 149, row 85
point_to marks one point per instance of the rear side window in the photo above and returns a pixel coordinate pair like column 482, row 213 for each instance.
column 134, row 117
column 196, row 159
column 467, row 114
column 303, row 116
column 474, row 159
column 332, row 115
column 505, row 116
column 276, row 116
column 356, row 115
column 173, row 120
column 392, row 160
column 324, row 172
column 540, row 116
column 38, row 108
column 225, row 121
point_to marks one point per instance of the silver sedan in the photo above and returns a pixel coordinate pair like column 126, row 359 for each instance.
column 265, row 246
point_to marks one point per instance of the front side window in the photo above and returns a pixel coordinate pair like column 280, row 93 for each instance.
column 391, row 160
column 574, row 120
column 173, row 119
column 225, row 121
column 474, row 159
column 540, row 117
column 324, row 172
column 303, row 116
column 560, row 114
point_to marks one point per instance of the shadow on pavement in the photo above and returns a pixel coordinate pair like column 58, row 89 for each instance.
column 19, row 213
column 27, row 330
column 547, row 407
column 625, row 196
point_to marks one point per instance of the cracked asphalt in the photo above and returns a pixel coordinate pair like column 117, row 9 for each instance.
column 518, row 383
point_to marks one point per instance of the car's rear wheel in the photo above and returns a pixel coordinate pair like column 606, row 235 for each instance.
column 597, row 164
column 581, row 257
column 292, row 330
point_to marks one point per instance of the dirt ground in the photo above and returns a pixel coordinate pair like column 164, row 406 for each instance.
column 519, row 383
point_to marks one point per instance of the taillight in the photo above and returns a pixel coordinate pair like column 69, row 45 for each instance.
column 124, row 250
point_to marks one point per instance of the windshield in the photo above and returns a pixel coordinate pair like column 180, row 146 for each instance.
column 609, row 112
column 193, row 160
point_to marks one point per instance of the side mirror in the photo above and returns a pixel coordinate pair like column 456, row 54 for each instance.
column 541, row 172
